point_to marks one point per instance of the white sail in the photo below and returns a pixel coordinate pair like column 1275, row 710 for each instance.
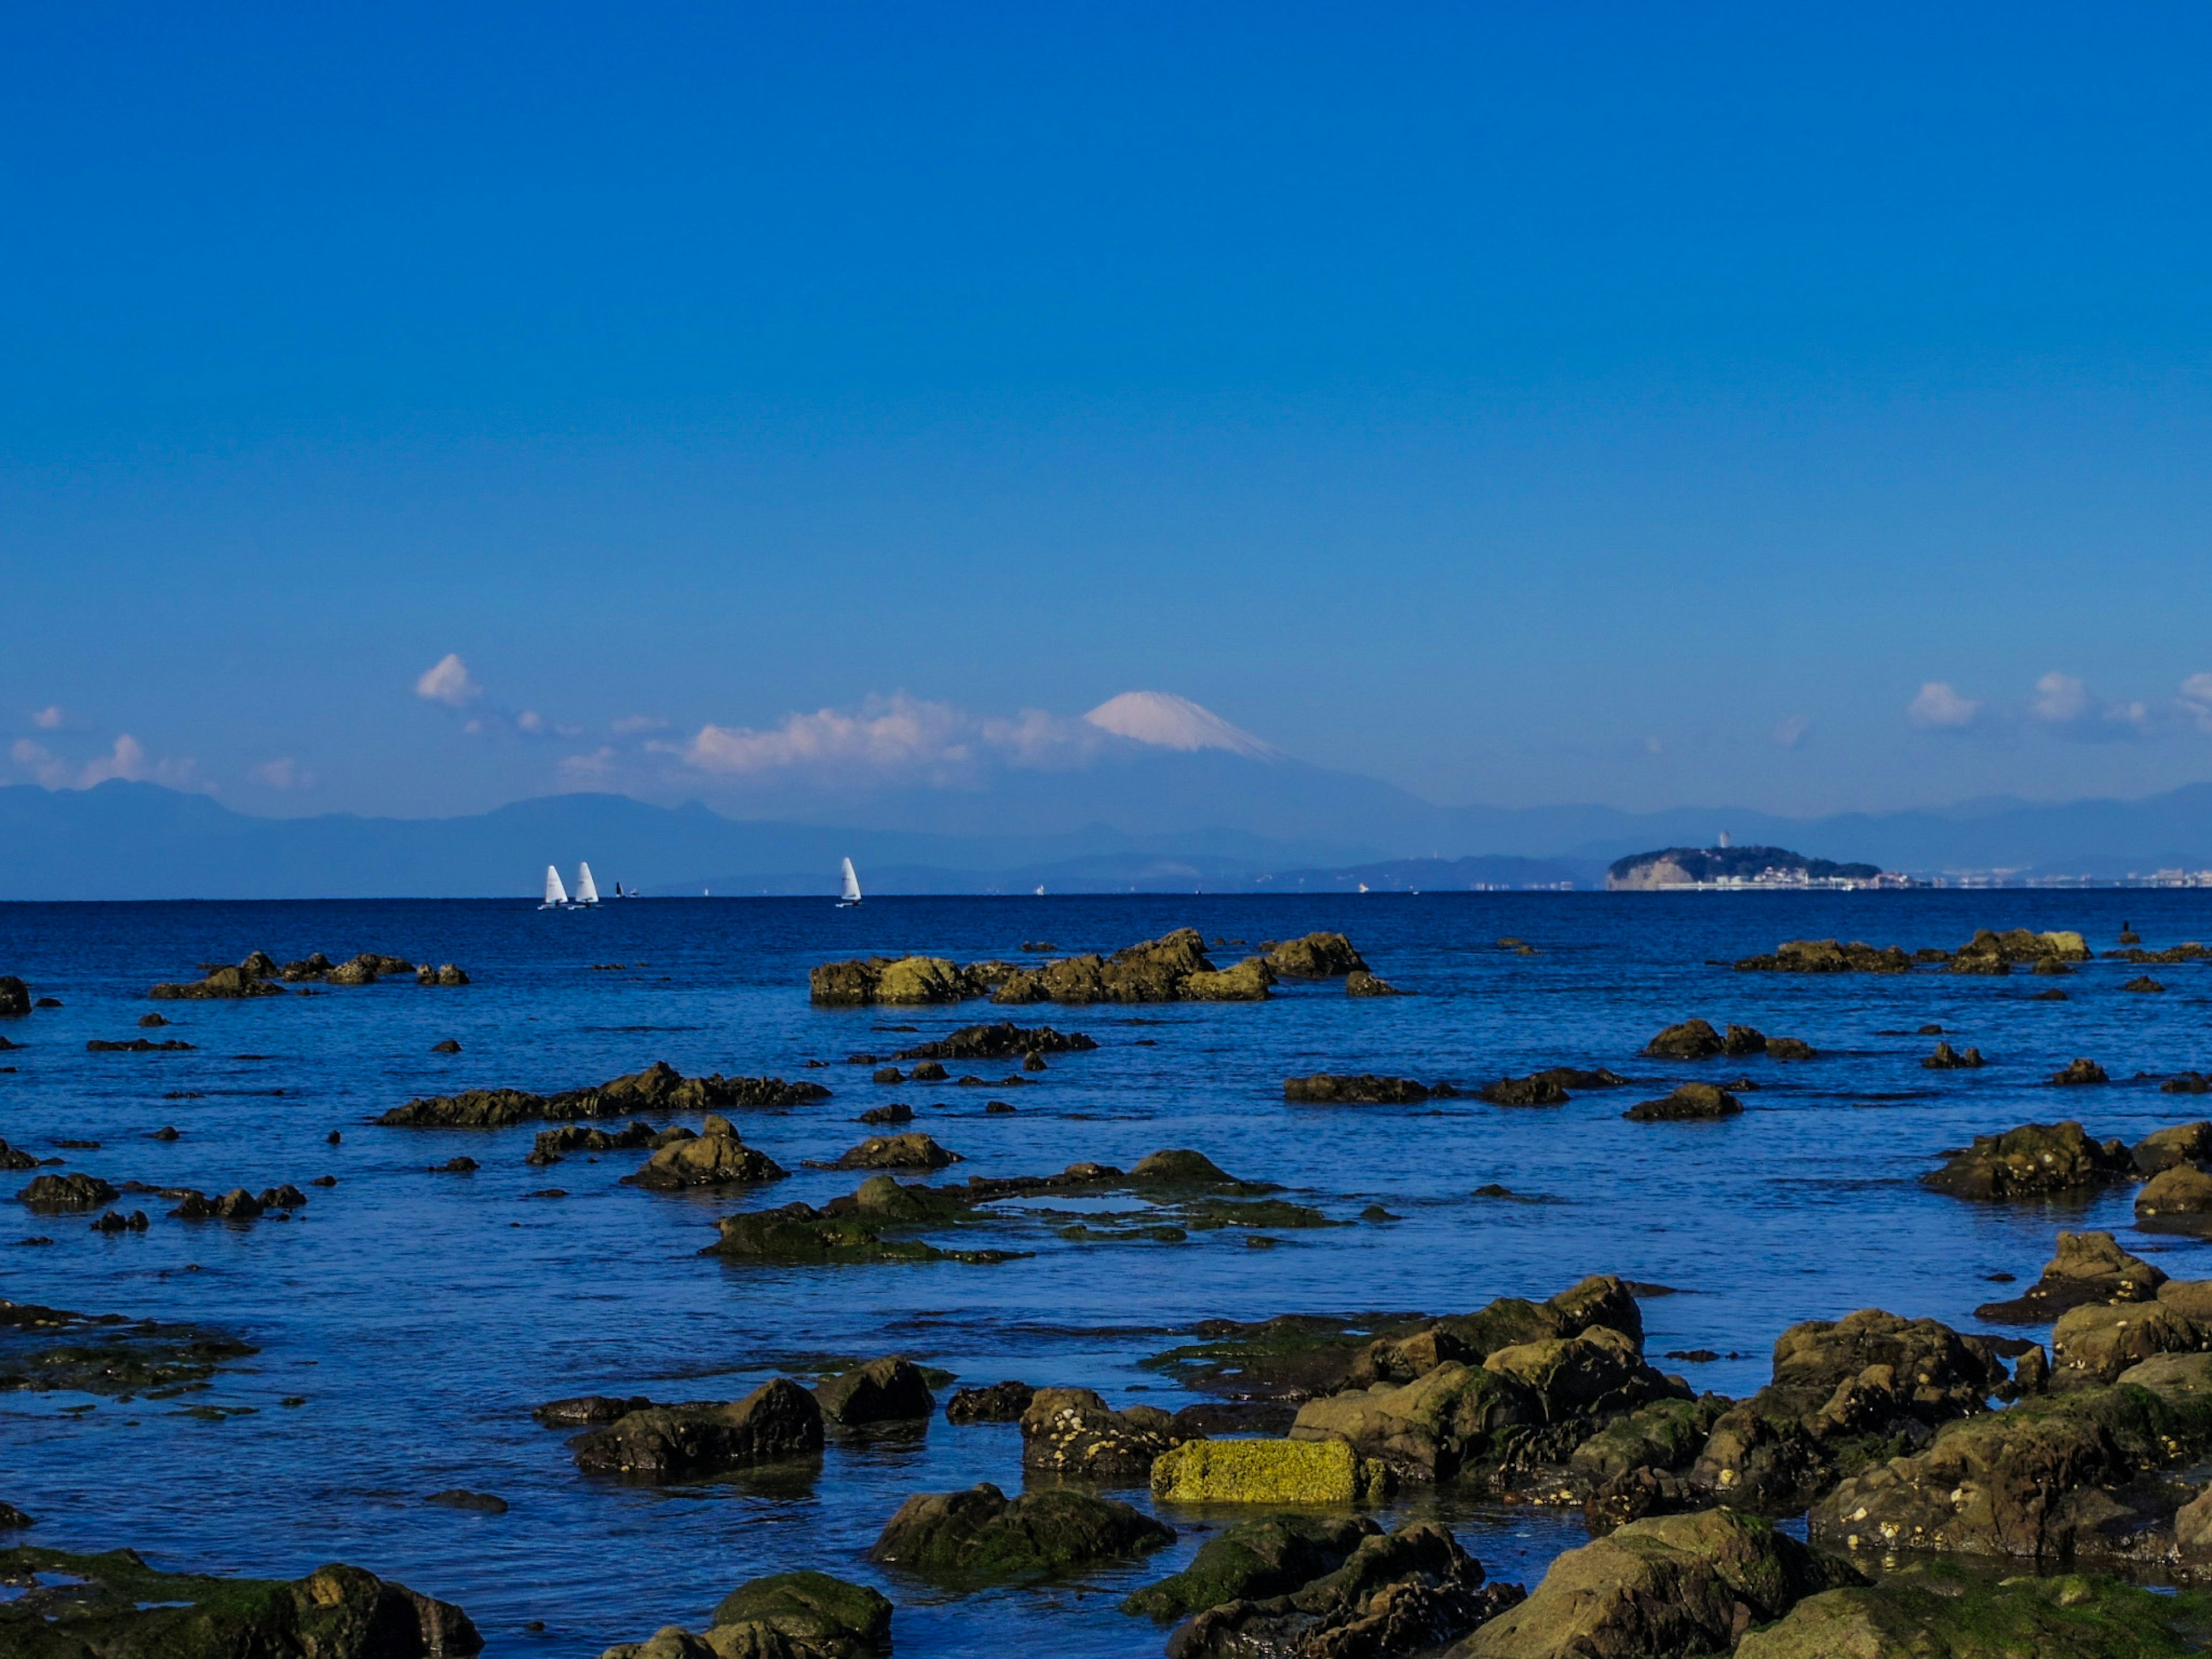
column 588, row 892
column 555, row 892
column 851, row 888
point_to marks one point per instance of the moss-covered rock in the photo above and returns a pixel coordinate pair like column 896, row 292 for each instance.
column 1270, row 1556
column 912, row 1150
column 2044, row 1480
column 1670, row 1585
column 1267, row 1472
column 1666, row 1434
column 1692, row 1039
column 113, row 1606
column 1938, row 1611
column 982, row 1536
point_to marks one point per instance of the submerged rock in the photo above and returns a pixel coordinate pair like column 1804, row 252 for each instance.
column 777, row 1420
column 221, row 983
column 115, row 1606
column 551, row 1145
column 658, row 1091
column 801, row 1235
column 1365, row 1089
column 2033, row 1159
column 980, row 1535
column 1692, row 1039
column 1002, row 1040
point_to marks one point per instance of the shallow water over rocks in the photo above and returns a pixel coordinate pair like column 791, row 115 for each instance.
column 407, row 1322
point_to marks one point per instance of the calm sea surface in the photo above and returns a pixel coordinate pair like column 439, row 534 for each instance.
column 421, row 1315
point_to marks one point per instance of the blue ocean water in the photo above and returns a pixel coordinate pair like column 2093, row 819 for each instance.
column 420, row 1316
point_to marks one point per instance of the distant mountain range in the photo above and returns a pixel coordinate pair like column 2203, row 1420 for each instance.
column 1215, row 820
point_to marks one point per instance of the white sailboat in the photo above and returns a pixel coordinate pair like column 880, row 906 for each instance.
column 588, row 892
column 557, row 895
column 851, row 894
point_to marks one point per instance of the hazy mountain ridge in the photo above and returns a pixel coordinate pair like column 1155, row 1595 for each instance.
column 1214, row 820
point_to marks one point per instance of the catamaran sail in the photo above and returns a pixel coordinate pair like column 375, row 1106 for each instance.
column 851, row 888
column 557, row 895
column 587, row 891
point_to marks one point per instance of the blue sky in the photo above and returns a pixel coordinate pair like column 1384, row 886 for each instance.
column 1636, row 404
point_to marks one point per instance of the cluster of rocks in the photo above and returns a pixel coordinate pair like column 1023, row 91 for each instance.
column 715, row 1156
column 2190, row 952
column 1987, row 953
column 1189, row 1186
column 2038, row 1160
column 136, row 1045
column 1550, row 1087
column 1171, row 969
column 260, row 976
column 49, row 1349
column 660, row 1090
column 1362, row 1089
column 60, row 1603
column 1696, row 1039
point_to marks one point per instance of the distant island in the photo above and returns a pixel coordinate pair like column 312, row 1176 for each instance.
column 1725, row 867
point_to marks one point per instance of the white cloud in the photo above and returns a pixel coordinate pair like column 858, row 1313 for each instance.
column 2060, row 697
column 2197, row 698
column 50, row 718
column 127, row 760
column 531, row 721
column 632, row 725
column 892, row 734
column 448, row 681
column 284, row 772
column 1939, row 705
column 1790, row 732
column 40, row 762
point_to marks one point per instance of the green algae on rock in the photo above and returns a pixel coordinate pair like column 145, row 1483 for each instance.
column 1267, row 1472
column 1937, row 1610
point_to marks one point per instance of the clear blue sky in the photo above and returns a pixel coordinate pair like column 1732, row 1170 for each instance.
column 1628, row 404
